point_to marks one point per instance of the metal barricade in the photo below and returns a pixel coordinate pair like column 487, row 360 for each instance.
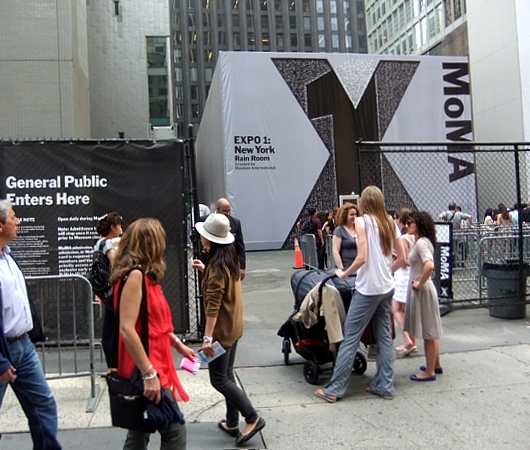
column 308, row 247
column 65, row 304
column 329, row 251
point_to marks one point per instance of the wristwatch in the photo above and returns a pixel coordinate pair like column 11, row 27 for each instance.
column 207, row 339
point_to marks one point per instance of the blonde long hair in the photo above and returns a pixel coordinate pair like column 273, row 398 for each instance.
column 373, row 204
column 142, row 246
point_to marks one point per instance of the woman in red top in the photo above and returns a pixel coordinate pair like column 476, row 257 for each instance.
column 140, row 252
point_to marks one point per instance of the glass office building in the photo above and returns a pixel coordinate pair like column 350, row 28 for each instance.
column 200, row 29
column 406, row 27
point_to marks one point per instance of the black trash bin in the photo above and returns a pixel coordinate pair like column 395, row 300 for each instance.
column 503, row 281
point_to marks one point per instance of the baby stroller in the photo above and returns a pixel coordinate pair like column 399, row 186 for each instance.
column 312, row 343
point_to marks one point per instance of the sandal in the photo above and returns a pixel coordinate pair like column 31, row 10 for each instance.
column 404, row 351
column 329, row 398
column 383, row 396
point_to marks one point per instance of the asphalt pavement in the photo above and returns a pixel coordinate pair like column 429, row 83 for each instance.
column 482, row 400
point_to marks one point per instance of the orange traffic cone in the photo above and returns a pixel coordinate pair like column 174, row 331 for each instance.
column 298, row 260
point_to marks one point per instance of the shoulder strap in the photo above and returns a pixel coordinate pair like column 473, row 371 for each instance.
column 102, row 244
column 143, row 317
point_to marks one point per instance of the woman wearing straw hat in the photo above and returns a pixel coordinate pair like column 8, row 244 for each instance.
column 223, row 304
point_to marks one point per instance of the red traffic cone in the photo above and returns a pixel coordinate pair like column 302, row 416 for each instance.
column 298, row 260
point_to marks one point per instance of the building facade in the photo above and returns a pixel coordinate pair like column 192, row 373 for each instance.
column 417, row 27
column 200, row 29
column 44, row 70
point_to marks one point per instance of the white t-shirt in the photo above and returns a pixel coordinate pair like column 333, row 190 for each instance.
column 375, row 276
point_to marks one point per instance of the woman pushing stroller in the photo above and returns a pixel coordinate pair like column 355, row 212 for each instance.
column 377, row 237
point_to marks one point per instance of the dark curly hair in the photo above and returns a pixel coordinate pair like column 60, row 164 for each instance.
column 424, row 225
column 105, row 223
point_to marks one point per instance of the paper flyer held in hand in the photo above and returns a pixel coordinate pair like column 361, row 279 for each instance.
column 218, row 350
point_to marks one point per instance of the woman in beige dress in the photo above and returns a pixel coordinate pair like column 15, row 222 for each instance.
column 422, row 315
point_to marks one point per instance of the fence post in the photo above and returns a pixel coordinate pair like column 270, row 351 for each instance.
column 522, row 268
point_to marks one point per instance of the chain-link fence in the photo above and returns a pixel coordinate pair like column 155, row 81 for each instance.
column 490, row 244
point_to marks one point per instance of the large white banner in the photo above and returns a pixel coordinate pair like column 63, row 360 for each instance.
column 270, row 142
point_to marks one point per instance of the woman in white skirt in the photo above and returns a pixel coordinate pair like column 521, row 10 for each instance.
column 401, row 283
column 422, row 315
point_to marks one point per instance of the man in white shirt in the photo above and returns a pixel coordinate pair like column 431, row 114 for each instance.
column 19, row 363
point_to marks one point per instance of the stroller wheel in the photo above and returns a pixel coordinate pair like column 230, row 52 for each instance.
column 359, row 363
column 286, row 349
column 311, row 372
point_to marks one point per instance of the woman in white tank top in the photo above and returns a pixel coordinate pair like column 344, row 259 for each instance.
column 378, row 236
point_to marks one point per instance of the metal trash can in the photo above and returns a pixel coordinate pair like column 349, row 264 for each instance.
column 503, row 281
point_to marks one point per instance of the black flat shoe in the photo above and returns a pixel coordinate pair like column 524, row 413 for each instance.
column 240, row 439
column 234, row 432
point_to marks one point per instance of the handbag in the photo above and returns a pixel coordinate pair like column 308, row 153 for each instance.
column 368, row 337
column 128, row 405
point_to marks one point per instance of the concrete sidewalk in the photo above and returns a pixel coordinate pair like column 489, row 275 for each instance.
column 481, row 400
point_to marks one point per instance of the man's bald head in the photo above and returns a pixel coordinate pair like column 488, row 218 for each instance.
column 223, row 207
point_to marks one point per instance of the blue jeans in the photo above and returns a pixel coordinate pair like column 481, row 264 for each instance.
column 223, row 380
column 362, row 309
column 34, row 395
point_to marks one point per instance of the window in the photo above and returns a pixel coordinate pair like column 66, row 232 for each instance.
column 320, row 6
column 236, row 22
column 321, row 41
column 307, row 24
column 194, row 92
column 320, row 22
column 292, row 22
column 334, row 23
column 307, row 40
column 193, row 74
column 294, row 41
column 158, row 80
column 208, row 74
column 279, row 40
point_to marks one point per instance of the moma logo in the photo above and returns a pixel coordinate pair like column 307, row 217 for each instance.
column 456, row 86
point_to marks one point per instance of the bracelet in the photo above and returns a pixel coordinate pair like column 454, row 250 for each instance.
column 147, row 371
column 150, row 377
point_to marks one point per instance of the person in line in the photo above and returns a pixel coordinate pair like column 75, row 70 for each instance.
column 488, row 218
column 331, row 221
column 422, row 316
column 20, row 366
column 401, row 281
column 504, row 220
column 344, row 236
column 223, row 304
column 109, row 228
column 456, row 216
column 377, row 237
column 141, row 256
column 322, row 217
column 224, row 207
